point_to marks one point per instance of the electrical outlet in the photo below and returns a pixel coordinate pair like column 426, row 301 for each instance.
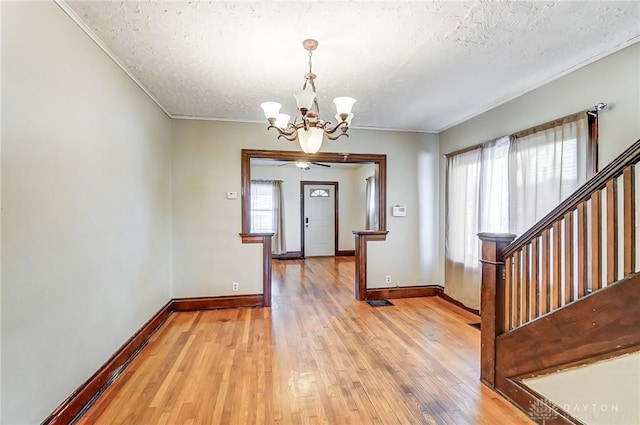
column 235, row 286
column 388, row 279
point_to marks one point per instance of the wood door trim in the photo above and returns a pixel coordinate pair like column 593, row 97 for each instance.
column 336, row 226
column 347, row 158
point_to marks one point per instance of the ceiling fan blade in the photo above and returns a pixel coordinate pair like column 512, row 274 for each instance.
column 321, row 164
column 286, row 163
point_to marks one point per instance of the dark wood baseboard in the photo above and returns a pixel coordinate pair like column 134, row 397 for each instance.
column 403, row 292
column 85, row 394
column 93, row 386
column 289, row 255
column 212, row 303
column 346, row 253
column 531, row 402
column 458, row 303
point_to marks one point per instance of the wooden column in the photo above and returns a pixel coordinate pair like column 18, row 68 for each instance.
column 492, row 300
column 362, row 237
column 265, row 240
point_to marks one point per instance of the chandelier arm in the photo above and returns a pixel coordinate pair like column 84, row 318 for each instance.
column 291, row 138
column 283, row 132
column 329, row 137
column 340, row 126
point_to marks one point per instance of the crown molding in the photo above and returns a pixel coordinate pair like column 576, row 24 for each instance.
column 72, row 14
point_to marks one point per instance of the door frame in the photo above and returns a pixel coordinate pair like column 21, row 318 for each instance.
column 303, row 185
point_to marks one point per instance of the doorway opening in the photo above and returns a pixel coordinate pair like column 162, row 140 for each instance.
column 324, row 160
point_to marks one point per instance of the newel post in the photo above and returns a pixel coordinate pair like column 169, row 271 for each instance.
column 492, row 300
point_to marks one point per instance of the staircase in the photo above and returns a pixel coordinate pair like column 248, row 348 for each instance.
column 566, row 292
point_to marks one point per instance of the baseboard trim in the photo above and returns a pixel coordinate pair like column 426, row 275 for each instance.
column 289, row 255
column 403, row 292
column 85, row 393
column 212, row 303
column 458, row 303
column 531, row 402
column 84, row 396
column 346, row 253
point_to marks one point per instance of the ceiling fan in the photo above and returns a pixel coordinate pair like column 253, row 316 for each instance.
column 305, row 165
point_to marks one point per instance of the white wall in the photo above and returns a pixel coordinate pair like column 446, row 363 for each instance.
column 85, row 209
column 614, row 80
column 208, row 254
column 349, row 209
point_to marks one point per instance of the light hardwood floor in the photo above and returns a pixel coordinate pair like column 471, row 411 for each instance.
column 316, row 357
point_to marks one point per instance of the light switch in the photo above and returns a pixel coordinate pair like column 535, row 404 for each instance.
column 232, row 195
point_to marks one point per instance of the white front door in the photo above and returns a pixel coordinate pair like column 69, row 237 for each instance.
column 319, row 220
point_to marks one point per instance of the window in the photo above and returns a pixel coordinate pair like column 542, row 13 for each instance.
column 261, row 207
column 267, row 212
column 507, row 185
column 319, row 193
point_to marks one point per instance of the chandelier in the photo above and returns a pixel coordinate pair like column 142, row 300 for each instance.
column 310, row 130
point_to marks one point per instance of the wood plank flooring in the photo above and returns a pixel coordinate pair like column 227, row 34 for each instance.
column 317, row 356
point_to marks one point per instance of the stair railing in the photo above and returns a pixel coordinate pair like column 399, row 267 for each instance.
column 572, row 252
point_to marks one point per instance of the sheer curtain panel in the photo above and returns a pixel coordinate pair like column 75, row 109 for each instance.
column 477, row 201
column 278, row 245
column 371, row 220
column 548, row 163
column 462, row 269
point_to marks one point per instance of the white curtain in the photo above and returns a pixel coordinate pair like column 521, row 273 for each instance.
column 476, row 201
column 278, row 245
column 547, row 165
column 507, row 185
column 371, row 220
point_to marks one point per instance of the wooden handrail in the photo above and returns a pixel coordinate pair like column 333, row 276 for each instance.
column 630, row 156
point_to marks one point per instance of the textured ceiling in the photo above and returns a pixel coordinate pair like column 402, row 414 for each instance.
column 420, row 65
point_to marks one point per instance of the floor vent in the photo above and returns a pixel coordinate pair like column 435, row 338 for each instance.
column 475, row 325
column 379, row 303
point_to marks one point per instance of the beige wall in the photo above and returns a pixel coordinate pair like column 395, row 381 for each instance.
column 614, row 80
column 207, row 251
column 351, row 211
column 85, row 209
column 604, row 393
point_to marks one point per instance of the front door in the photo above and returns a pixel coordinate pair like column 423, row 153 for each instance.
column 319, row 220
